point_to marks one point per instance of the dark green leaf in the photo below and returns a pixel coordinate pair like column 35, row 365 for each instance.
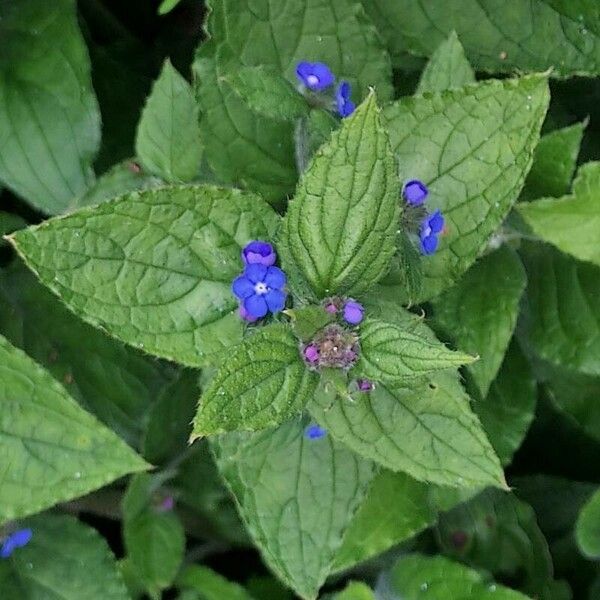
column 210, row 585
column 588, row 527
column 308, row 320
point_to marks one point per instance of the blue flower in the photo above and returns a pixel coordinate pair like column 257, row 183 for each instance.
column 259, row 252
column 314, row 432
column 353, row 312
column 15, row 540
column 315, row 76
column 415, row 192
column 345, row 106
column 431, row 226
column 261, row 290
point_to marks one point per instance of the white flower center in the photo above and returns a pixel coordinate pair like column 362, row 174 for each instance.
column 427, row 232
column 312, row 80
column 261, row 288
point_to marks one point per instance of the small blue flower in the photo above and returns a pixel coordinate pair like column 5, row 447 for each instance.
column 15, row 540
column 415, row 192
column 315, row 76
column 314, row 432
column 345, row 106
column 353, row 312
column 431, row 226
column 261, row 290
column 259, row 252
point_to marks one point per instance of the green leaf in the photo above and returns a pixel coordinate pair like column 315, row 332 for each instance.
column 561, row 311
column 153, row 268
column 571, row 223
column 9, row 223
column 508, row 409
column 339, row 231
column 395, row 355
column 166, row 6
column 262, row 382
column 118, row 385
column 65, row 559
column 396, row 508
column 168, row 135
column 448, row 68
column 267, row 93
column 307, row 321
column 554, row 163
column 416, row 577
column 356, row 590
column 587, row 529
column 480, row 312
column 210, row 585
column 249, row 150
column 497, row 36
column 49, row 116
column 297, row 497
column 53, row 450
column 473, row 181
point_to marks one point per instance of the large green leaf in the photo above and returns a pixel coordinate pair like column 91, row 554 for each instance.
column 480, row 312
column 65, row 560
column 396, row 355
column 297, row 497
column 210, row 585
column 588, row 527
column 339, row 231
column 262, row 383
column 168, row 135
column 53, row 450
column 153, row 268
column 416, row 577
column 113, row 381
column 473, row 147
column 250, row 150
column 561, row 321
column 571, row 223
column 448, row 68
column 49, row 118
column 525, row 35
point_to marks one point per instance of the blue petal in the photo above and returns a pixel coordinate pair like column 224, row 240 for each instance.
column 275, row 300
column 258, row 251
column 314, row 432
column 242, row 287
column 275, row 278
column 415, row 192
column 315, row 76
column 436, row 222
column 256, row 273
column 256, row 306
column 429, row 244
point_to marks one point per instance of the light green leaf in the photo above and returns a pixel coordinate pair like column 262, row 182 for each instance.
column 447, row 68
column 210, row 585
column 297, row 497
column 480, row 313
column 497, row 36
column 396, row 508
column 561, row 311
column 166, row 6
column 247, row 149
column 473, row 180
column 554, row 163
column 508, row 409
column 396, row 355
column 416, row 577
column 49, row 116
column 153, row 268
column 168, row 138
column 339, row 231
column 53, row 450
column 118, row 385
column 571, row 223
column 356, row 590
column 263, row 382
column 587, row 529
column 65, row 559
column 268, row 93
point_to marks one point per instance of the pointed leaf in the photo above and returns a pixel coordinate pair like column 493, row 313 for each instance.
column 153, row 268
column 587, row 530
column 53, row 450
column 339, row 231
column 297, row 497
column 473, row 180
column 168, row 135
column 262, row 383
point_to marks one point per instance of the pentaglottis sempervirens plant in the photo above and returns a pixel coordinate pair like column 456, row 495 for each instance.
column 338, row 315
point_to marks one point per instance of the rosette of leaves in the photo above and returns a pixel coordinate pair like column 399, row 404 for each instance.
column 154, row 268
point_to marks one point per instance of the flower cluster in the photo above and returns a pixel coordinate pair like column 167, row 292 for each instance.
column 317, row 77
column 15, row 540
column 261, row 287
column 415, row 193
